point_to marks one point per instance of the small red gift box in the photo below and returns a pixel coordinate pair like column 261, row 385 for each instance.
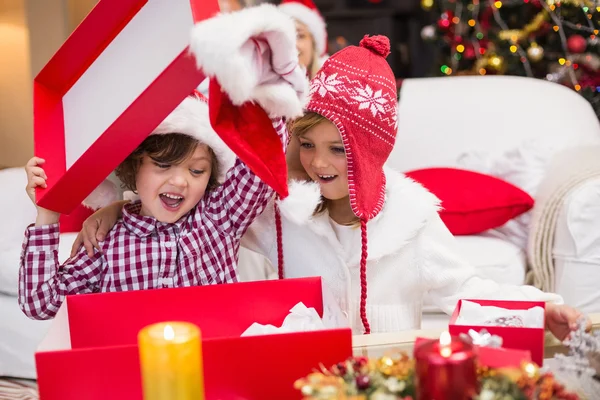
column 495, row 357
column 91, row 348
column 118, row 75
column 527, row 339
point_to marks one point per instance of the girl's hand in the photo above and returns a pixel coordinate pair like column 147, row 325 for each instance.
column 36, row 177
column 96, row 227
column 561, row 320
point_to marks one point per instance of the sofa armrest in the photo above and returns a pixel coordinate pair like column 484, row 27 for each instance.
column 576, row 250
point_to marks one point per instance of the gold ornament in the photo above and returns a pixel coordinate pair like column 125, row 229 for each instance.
column 518, row 35
column 535, row 52
column 514, row 35
column 427, row 5
column 492, row 64
column 576, row 3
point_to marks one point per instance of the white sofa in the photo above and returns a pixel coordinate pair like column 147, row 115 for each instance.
column 440, row 120
column 509, row 127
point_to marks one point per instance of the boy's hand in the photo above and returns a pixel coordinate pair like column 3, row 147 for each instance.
column 561, row 320
column 36, row 177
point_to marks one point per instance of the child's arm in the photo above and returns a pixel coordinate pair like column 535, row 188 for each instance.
column 36, row 177
column 43, row 282
column 243, row 196
column 96, row 227
column 449, row 278
column 264, row 54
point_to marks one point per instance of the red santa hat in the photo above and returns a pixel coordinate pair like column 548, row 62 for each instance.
column 356, row 90
column 306, row 12
column 251, row 58
column 191, row 118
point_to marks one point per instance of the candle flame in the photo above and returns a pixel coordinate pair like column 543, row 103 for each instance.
column 169, row 333
column 446, row 352
column 445, row 339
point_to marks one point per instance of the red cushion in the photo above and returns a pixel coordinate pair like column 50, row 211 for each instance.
column 473, row 202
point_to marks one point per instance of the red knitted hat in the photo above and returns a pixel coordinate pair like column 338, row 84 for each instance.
column 356, row 90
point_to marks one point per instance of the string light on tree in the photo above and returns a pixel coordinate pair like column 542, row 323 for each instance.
column 556, row 40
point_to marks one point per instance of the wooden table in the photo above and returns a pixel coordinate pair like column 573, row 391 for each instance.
column 377, row 345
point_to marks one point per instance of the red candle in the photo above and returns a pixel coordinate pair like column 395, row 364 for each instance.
column 445, row 369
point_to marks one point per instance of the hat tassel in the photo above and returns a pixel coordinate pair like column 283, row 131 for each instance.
column 363, row 277
column 279, row 241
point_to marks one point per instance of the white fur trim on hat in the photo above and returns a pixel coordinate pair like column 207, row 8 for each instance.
column 218, row 44
column 300, row 204
column 191, row 118
column 313, row 21
column 103, row 195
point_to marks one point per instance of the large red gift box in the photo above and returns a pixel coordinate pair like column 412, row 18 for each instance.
column 90, row 351
column 527, row 339
column 118, row 75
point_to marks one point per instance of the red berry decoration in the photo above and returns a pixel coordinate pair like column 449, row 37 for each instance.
column 576, row 44
column 363, row 382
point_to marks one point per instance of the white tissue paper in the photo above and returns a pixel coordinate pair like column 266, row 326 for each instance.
column 475, row 314
column 300, row 319
column 303, row 319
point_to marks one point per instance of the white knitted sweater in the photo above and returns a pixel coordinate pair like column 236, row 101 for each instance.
column 410, row 253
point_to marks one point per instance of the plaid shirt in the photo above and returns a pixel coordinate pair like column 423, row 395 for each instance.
column 143, row 253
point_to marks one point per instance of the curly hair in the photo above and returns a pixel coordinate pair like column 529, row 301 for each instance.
column 171, row 148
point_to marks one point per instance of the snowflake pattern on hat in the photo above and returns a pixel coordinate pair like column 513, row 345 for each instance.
column 358, row 98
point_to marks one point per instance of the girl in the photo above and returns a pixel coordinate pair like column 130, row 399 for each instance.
column 186, row 228
column 372, row 234
column 311, row 33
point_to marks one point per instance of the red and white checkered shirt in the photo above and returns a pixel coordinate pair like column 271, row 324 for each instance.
column 143, row 253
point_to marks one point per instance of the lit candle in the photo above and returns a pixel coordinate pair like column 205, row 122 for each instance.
column 445, row 369
column 171, row 361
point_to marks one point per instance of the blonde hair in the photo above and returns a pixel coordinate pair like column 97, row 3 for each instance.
column 299, row 127
column 315, row 64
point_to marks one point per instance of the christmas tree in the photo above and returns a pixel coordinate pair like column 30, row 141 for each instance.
column 556, row 40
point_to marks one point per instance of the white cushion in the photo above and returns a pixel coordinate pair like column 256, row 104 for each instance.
column 523, row 166
column 441, row 118
column 16, row 213
column 577, row 248
column 492, row 258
